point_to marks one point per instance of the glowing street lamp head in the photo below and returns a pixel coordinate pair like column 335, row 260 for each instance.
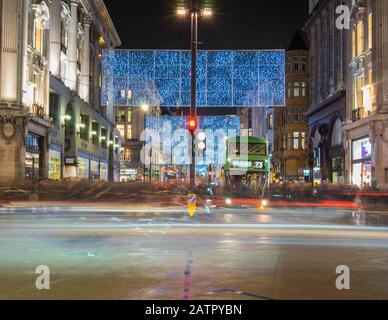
column 145, row 107
column 207, row 12
column 181, row 11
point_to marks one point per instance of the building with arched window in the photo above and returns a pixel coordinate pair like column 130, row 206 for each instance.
column 366, row 130
column 337, row 160
column 327, row 90
column 52, row 124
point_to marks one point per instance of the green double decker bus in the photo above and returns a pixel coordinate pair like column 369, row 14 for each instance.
column 247, row 167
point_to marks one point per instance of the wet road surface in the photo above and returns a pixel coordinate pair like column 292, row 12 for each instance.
column 224, row 253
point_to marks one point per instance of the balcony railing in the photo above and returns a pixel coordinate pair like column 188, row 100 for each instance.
column 38, row 110
column 358, row 114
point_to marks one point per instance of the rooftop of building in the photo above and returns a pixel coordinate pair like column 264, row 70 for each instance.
column 298, row 42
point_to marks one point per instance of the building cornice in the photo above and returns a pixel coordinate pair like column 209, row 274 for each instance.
column 103, row 20
column 315, row 109
column 104, row 15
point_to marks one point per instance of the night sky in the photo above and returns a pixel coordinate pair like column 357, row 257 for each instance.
column 236, row 24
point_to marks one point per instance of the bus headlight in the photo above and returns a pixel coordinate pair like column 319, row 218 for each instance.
column 264, row 203
column 228, row 201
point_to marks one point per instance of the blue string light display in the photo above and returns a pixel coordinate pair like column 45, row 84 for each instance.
column 225, row 78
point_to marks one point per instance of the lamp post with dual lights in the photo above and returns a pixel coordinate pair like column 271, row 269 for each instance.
column 194, row 12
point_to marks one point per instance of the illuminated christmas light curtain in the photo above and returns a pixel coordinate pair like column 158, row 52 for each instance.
column 225, row 78
column 217, row 128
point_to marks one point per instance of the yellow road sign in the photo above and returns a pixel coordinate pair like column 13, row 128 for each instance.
column 192, row 204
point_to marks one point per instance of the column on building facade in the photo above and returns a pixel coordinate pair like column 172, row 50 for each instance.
column 10, row 52
column 24, row 53
column 55, row 37
column 71, row 77
column 331, row 46
column 96, row 65
column 13, row 71
column 382, row 11
column 325, row 53
column 318, row 61
column 379, row 131
column 85, row 63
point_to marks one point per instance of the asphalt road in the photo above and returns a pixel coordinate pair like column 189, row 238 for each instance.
column 134, row 253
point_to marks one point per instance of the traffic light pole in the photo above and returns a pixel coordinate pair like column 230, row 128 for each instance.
column 193, row 106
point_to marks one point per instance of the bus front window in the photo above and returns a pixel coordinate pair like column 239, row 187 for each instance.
column 254, row 149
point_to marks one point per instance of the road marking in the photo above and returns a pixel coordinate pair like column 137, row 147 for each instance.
column 242, row 293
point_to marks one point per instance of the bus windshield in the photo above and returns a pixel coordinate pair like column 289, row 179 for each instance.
column 254, row 149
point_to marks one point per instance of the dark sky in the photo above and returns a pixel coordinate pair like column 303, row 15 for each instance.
column 236, row 24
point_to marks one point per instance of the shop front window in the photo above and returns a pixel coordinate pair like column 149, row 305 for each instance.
column 103, row 171
column 362, row 163
column 32, row 165
column 337, row 166
column 83, row 168
column 33, row 152
column 55, row 165
column 94, row 170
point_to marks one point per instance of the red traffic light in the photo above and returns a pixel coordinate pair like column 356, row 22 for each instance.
column 192, row 123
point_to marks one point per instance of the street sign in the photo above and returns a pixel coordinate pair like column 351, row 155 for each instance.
column 192, row 204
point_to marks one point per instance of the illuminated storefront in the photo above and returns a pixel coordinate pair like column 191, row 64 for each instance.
column 362, row 162
column 103, row 171
column 33, row 156
column 338, row 168
column 55, row 165
column 128, row 175
column 94, row 170
column 317, row 175
column 83, row 168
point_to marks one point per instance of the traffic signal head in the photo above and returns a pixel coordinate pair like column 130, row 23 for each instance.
column 192, row 123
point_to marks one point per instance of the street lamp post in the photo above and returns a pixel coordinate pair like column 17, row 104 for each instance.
column 193, row 105
column 194, row 13
column 145, row 108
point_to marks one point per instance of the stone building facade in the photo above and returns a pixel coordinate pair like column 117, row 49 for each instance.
column 52, row 124
column 366, row 129
column 130, row 123
column 290, row 157
column 285, row 128
column 327, row 112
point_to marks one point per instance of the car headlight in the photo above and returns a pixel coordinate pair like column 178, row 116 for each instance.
column 228, row 201
column 264, row 203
